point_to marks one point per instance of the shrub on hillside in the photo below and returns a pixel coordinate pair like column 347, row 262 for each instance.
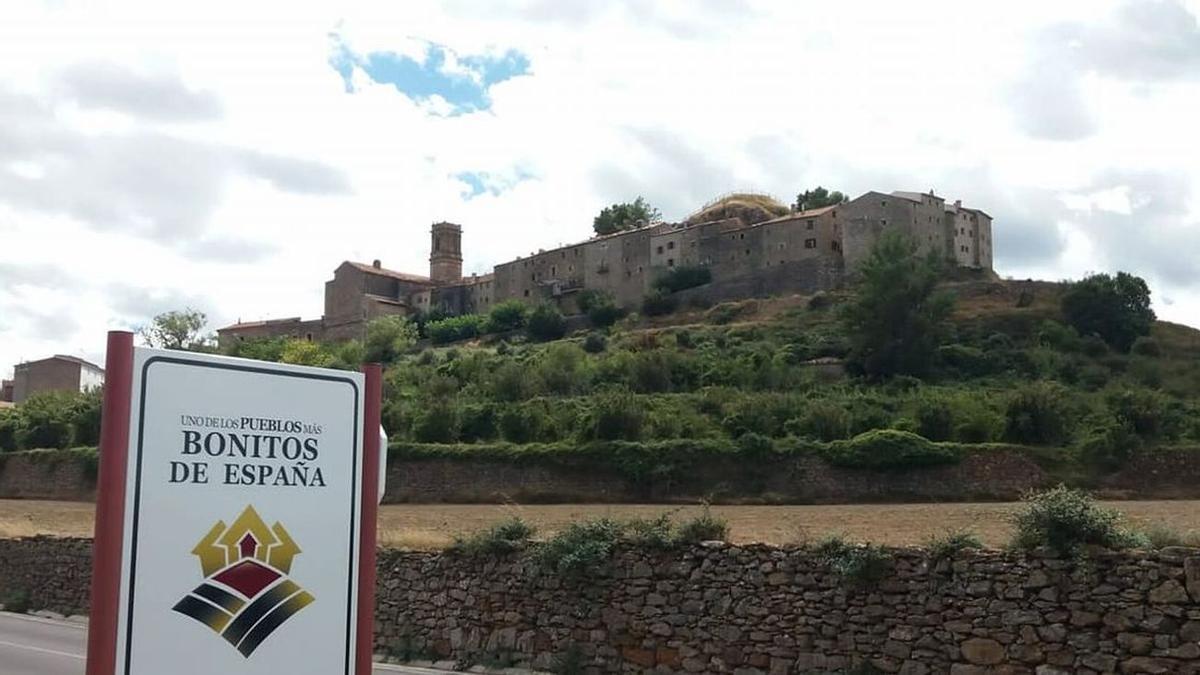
column 822, row 421
column 506, row 316
column 601, row 308
column 1038, row 414
column 545, row 323
column 657, row 303
column 617, row 415
column 455, row 328
column 966, row 360
column 388, row 337
column 680, row 278
column 934, row 416
column 563, row 369
column 1116, row 308
column 977, row 423
column 477, row 422
column 85, row 418
column 512, row 382
column 1145, row 413
column 437, row 423
column 889, row 449
column 1146, row 346
column 519, row 424
column 1065, row 519
column 595, row 343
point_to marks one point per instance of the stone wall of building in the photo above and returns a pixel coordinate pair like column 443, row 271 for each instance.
column 717, row 608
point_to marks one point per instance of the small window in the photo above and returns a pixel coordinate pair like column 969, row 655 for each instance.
column 747, row 251
column 660, row 250
column 883, row 203
column 308, row 336
column 670, row 262
column 670, row 245
column 527, row 292
column 883, row 222
column 835, row 246
column 809, row 224
column 781, row 245
column 742, row 236
column 810, row 243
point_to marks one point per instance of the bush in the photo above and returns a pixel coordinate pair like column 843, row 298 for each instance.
column 85, row 418
column 477, row 422
column 601, row 308
column 968, row 361
column 580, row 547
column 436, row 423
column 950, row 543
column 704, row 527
column 1110, row 446
column 1116, row 308
column 1159, row 536
column 679, row 278
column 1144, row 413
column 1065, row 519
column 388, row 337
column 657, row 303
column 10, row 429
column 1038, row 414
column 519, row 424
column 16, row 601
column 1146, row 346
column 889, row 449
column 46, row 420
column 822, row 421
column 935, row 418
column 500, row 539
column 617, row 415
column 859, row 565
column 546, row 323
column 506, row 316
column 595, row 343
column 976, row 423
column 455, row 328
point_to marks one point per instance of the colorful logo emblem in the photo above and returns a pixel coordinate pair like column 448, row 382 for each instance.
column 246, row 593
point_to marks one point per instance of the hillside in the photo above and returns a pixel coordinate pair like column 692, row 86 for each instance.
column 718, row 400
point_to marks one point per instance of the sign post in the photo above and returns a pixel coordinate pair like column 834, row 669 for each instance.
column 235, row 522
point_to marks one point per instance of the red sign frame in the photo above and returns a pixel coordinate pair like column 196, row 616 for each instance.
column 108, row 535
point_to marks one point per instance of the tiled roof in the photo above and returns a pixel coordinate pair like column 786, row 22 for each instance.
column 384, row 272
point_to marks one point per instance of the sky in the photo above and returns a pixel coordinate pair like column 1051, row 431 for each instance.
column 228, row 156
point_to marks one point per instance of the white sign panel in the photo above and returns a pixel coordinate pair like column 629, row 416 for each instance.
column 241, row 518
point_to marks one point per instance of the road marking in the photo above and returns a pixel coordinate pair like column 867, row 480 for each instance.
column 43, row 651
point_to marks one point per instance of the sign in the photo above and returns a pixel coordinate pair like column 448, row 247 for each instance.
column 240, row 544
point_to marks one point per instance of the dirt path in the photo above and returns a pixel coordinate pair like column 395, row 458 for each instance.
column 428, row 526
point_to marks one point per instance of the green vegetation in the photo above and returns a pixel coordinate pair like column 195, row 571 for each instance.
column 16, row 601
column 180, row 329
column 503, row 537
column 951, row 543
column 52, row 419
column 859, row 565
column 681, row 278
column 1064, row 520
column 819, row 198
column 586, row 545
column 896, row 320
column 625, row 216
column 1116, row 308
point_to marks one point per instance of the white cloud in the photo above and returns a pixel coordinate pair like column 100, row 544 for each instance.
column 214, row 157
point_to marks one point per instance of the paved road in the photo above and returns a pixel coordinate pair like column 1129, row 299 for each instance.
column 33, row 646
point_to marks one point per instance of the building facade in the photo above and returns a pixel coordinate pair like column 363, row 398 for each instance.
column 803, row 251
column 57, row 373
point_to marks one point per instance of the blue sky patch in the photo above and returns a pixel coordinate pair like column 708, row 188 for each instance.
column 463, row 81
column 479, row 182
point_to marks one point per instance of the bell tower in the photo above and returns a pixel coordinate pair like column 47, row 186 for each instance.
column 445, row 253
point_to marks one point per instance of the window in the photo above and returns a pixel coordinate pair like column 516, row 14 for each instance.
column 810, row 243
column 883, row 204
column 670, row 262
column 527, row 292
column 670, row 245
column 883, row 222
column 781, row 245
column 533, row 277
column 660, row 250
column 308, row 336
column 553, row 270
column 747, row 251
column 835, row 246
column 809, row 224
column 742, row 236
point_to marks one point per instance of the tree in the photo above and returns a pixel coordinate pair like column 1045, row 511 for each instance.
column 1115, row 308
column 178, row 330
column 625, row 216
column 388, row 337
column 546, row 323
column 895, row 322
column 506, row 316
column 819, row 198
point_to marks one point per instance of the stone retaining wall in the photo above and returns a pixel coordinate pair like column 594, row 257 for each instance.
column 757, row 609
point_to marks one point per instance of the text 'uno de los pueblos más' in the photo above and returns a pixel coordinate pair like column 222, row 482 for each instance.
column 251, row 451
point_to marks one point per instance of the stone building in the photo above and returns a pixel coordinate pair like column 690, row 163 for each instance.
column 799, row 252
column 6, row 391
column 56, row 373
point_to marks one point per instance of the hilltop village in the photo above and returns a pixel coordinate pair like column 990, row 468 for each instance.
column 750, row 244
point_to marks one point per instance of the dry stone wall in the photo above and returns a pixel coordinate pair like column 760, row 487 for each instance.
column 719, row 608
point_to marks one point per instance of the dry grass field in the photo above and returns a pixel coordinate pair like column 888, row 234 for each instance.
column 431, row 526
